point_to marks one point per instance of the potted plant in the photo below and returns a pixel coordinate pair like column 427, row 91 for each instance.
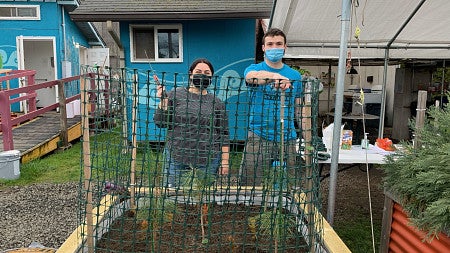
column 418, row 180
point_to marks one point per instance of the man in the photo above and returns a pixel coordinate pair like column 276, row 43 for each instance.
column 270, row 81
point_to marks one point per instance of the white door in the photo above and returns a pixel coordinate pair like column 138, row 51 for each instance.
column 39, row 53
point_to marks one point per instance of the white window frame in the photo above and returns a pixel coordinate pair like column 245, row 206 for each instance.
column 156, row 27
column 37, row 7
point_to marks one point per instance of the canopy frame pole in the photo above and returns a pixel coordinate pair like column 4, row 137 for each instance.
column 345, row 24
column 442, row 84
column 383, row 95
column 386, row 60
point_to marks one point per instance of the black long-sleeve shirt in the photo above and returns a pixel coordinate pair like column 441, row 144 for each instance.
column 197, row 126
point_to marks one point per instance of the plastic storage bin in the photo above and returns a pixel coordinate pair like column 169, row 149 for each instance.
column 10, row 164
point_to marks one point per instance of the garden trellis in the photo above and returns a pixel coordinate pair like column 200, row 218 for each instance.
column 126, row 204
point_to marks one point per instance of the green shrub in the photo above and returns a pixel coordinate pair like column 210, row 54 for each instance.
column 421, row 177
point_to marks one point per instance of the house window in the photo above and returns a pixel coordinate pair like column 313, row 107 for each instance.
column 20, row 12
column 156, row 43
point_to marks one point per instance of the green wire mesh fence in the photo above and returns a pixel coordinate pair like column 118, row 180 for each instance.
column 154, row 168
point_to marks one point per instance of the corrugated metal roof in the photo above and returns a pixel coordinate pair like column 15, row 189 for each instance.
column 116, row 10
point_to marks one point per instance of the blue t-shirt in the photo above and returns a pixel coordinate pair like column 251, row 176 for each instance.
column 265, row 104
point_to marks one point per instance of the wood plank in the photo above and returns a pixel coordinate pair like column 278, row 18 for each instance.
column 41, row 135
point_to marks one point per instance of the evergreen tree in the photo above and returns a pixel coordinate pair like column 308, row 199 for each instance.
column 421, row 177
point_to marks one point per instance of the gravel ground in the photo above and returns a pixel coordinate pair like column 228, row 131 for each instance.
column 40, row 213
column 47, row 213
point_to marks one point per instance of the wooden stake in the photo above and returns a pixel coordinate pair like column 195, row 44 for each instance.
column 87, row 165
column 420, row 116
column 123, row 104
column 307, row 131
column 134, row 143
column 282, row 102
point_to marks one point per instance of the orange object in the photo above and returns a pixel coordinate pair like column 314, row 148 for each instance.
column 385, row 144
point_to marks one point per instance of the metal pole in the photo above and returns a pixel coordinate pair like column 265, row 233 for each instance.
column 345, row 23
column 272, row 13
column 383, row 95
column 442, row 84
column 386, row 59
column 329, row 92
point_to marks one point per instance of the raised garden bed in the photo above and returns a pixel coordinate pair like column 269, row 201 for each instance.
column 127, row 233
column 118, row 228
column 399, row 235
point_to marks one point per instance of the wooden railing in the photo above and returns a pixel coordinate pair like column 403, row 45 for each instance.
column 28, row 94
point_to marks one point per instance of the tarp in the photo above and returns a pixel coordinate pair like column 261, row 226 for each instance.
column 414, row 29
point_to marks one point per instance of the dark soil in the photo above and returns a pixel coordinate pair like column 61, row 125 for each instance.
column 228, row 231
column 351, row 204
column 352, row 194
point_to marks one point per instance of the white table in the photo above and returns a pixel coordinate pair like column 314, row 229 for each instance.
column 357, row 155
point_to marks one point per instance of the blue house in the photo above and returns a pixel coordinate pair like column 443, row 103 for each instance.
column 166, row 36
column 40, row 35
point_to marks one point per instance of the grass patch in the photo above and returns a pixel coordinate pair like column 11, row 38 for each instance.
column 58, row 167
column 109, row 161
column 357, row 235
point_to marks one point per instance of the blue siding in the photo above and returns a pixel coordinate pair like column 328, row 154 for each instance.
column 73, row 35
column 50, row 25
column 228, row 44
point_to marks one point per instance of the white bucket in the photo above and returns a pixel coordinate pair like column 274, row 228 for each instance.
column 10, row 164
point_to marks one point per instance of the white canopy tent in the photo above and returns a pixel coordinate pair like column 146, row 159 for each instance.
column 389, row 29
column 406, row 27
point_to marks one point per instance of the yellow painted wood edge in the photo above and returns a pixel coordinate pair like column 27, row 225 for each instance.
column 74, row 132
column 330, row 239
column 42, row 149
column 74, row 241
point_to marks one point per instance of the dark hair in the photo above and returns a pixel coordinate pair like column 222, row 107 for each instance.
column 201, row 60
column 272, row 32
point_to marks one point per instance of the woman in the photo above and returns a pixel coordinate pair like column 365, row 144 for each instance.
column 197, row 124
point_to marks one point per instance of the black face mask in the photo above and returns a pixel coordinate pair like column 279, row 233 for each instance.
column 201, row 81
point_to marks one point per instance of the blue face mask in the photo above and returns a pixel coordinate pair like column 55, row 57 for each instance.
column 274, row 54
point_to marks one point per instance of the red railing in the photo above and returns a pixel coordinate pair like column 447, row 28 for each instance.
column 28, row 93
